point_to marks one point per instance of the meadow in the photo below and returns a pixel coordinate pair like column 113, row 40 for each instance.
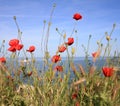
column 22, row 84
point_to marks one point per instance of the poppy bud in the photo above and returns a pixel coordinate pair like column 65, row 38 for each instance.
column 29, row 73
column 107, row 38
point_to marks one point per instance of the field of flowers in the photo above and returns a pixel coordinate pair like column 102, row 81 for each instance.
column 22, row 85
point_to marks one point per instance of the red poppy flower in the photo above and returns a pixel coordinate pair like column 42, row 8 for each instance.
column 77, row 104
column 70, row 41
column 31, row 49
column 59, row 68
column 29, row 73
column 2, row 59
column 13, row 42
column 61, row 48
column 74, row 95
column 56, row 58
column 77, row 16
column 96, row 55
column 12, row 49
column 14, row 45
column 108, row 71
column 19, row 47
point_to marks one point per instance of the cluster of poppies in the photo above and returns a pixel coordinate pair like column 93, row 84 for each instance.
column 107, row 71
column 74, row 97
column 61, row 49
column 16, row 46
column 56, row 58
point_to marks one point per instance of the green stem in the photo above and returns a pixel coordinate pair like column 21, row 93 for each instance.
column 19, row 35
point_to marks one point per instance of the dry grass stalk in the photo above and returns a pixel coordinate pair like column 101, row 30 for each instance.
column 115, row 91
column 4, row 69
column 82, row 69
column 73, row 67
column 92, row 70
column 79, row 81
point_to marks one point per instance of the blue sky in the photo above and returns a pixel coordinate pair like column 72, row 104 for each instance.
column 98, row 18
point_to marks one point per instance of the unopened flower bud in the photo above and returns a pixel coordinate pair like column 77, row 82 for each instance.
column 107, row 38
column 14, row 17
